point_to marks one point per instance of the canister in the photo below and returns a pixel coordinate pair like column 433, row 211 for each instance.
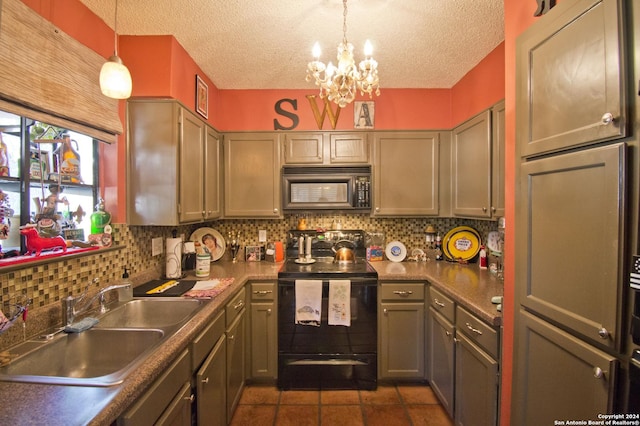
column 203, row 265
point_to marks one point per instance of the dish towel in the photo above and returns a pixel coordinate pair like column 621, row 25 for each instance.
column 308, row 302
column 208, row 289
column 340, row 302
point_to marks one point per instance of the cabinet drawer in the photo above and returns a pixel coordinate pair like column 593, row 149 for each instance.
column 235, row 306
column 402, row 291
column 263, row 291
column 206, row 340
column 477, row 330
column 442, row 304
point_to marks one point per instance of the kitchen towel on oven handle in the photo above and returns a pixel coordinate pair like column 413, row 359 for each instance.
column 308, row 302
column 339, row 302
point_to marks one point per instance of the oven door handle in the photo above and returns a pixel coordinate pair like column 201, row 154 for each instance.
column 327, row 362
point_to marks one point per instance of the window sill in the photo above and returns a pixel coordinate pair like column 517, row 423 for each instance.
column 47, row 258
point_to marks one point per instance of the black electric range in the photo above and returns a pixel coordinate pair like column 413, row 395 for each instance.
column 328, row 356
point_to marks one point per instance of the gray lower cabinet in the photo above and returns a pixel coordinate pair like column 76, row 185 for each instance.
column 557, row 376
column 263, row 331
column 208, row 354
column 168, row 401
column 401, row 322
column 236, row 347
column 441, row 358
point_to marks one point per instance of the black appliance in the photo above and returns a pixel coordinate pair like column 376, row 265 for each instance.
column 335, row 188
column 328, row 356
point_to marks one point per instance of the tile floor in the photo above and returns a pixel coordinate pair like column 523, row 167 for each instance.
column 389, row 405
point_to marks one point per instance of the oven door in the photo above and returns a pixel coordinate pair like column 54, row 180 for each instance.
column 329, row 357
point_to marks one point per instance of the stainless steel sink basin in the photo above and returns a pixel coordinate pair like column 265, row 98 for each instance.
column 95, row 357
column 150, row 313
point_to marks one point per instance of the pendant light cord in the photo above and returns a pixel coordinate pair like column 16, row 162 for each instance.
column 115, row 30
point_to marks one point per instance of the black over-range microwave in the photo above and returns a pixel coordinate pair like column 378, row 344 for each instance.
column 336, row 188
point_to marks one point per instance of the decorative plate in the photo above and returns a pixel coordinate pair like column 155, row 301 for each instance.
column 210, row 241
column 461, row 243
column 396, row 251
column 493, row 242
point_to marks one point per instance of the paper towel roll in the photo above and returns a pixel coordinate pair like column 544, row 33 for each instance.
column 174, row 258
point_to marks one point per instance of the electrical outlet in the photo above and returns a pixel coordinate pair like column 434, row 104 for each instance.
column 262, row 236
column 156, row 246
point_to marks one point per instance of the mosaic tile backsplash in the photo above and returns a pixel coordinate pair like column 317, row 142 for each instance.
column 47, row 284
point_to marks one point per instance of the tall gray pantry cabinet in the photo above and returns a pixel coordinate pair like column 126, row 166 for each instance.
column 571, row 213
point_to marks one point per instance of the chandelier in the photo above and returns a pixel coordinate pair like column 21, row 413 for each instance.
column 340, row 84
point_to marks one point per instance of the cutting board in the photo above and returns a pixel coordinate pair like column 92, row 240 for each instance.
column 178, row 290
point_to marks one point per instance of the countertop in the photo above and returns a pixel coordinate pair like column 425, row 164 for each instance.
column 78, row 405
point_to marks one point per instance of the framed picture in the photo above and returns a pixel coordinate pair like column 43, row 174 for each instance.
column 202, row 97
column 252, row 253
column 364, row 114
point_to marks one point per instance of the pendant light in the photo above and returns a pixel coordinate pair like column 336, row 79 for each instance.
column 115, row 79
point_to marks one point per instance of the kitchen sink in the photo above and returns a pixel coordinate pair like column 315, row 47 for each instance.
column 106, row 354
column 150, row 313
column 95, row 357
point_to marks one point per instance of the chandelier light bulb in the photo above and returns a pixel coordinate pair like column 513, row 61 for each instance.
column 368, row 49
column 340, row 84
column 316, row 51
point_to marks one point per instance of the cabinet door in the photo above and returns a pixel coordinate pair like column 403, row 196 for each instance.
column 212, row 174
column 406, row 174
column 252, row 175
column 497, row 159
column 571, row 240
column 264, row 343
column 476, row 387
column 235, row 362
column 303, row 148
column 471, row 167
column 557, row 376
column 178, row 413
column 440, row 358
column 211, row 384
column 191, row 167
column 402, row 340
column 570, row 75
column 349, row 148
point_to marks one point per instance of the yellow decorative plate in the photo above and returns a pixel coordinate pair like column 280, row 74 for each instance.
column 461, row 243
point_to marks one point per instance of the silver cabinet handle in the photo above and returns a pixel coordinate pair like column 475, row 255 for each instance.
column 268, row 311
column 262, row 292
column 471, row 328
column 231, row 337
column 384, row 311
column 439, row 303
column 607, row 119
column 598, row 373
column 403, row 293
column 603, row 333
column 238, row 305
column 190, row 398
column 484, row 209
column 447, row 333
column 205, row 381
column 275, row 211
column 377, row 209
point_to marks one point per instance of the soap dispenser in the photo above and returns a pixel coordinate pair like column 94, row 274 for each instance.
column 125, row 293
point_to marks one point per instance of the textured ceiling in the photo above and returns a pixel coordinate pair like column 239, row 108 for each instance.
column 266, row 44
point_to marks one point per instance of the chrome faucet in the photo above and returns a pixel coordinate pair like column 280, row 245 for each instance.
column 73, row 306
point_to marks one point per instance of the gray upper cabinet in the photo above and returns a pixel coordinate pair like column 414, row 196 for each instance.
column 406, row 174
column 252, row 175
column 471, row 167
column 174, row 171
column 571, row 233
column 326, row 148
column 570, row 88
column 497, row 159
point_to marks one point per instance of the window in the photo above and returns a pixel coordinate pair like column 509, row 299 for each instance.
column 49, row 175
